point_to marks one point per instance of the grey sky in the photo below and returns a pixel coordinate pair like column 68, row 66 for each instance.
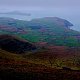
column 40, row 3
column 71, row 7
column 68, row 9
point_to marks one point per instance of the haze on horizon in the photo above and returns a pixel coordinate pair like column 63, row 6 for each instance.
column 66, row 9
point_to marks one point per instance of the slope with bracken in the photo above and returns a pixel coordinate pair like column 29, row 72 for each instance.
column 43, row 64
column 15, row 66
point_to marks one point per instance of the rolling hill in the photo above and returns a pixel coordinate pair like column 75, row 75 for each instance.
column 15, row 44
column 49, row 30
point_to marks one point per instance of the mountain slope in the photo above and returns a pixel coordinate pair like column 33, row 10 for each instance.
column 49, row 30
column 14, row 44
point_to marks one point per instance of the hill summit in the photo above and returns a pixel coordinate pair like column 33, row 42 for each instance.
column 54, row 20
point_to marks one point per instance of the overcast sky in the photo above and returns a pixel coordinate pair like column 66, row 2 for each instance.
column 40, row 3
column 44, row 4
column 68, row 9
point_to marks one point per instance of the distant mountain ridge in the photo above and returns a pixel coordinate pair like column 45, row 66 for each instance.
column 16, row 13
